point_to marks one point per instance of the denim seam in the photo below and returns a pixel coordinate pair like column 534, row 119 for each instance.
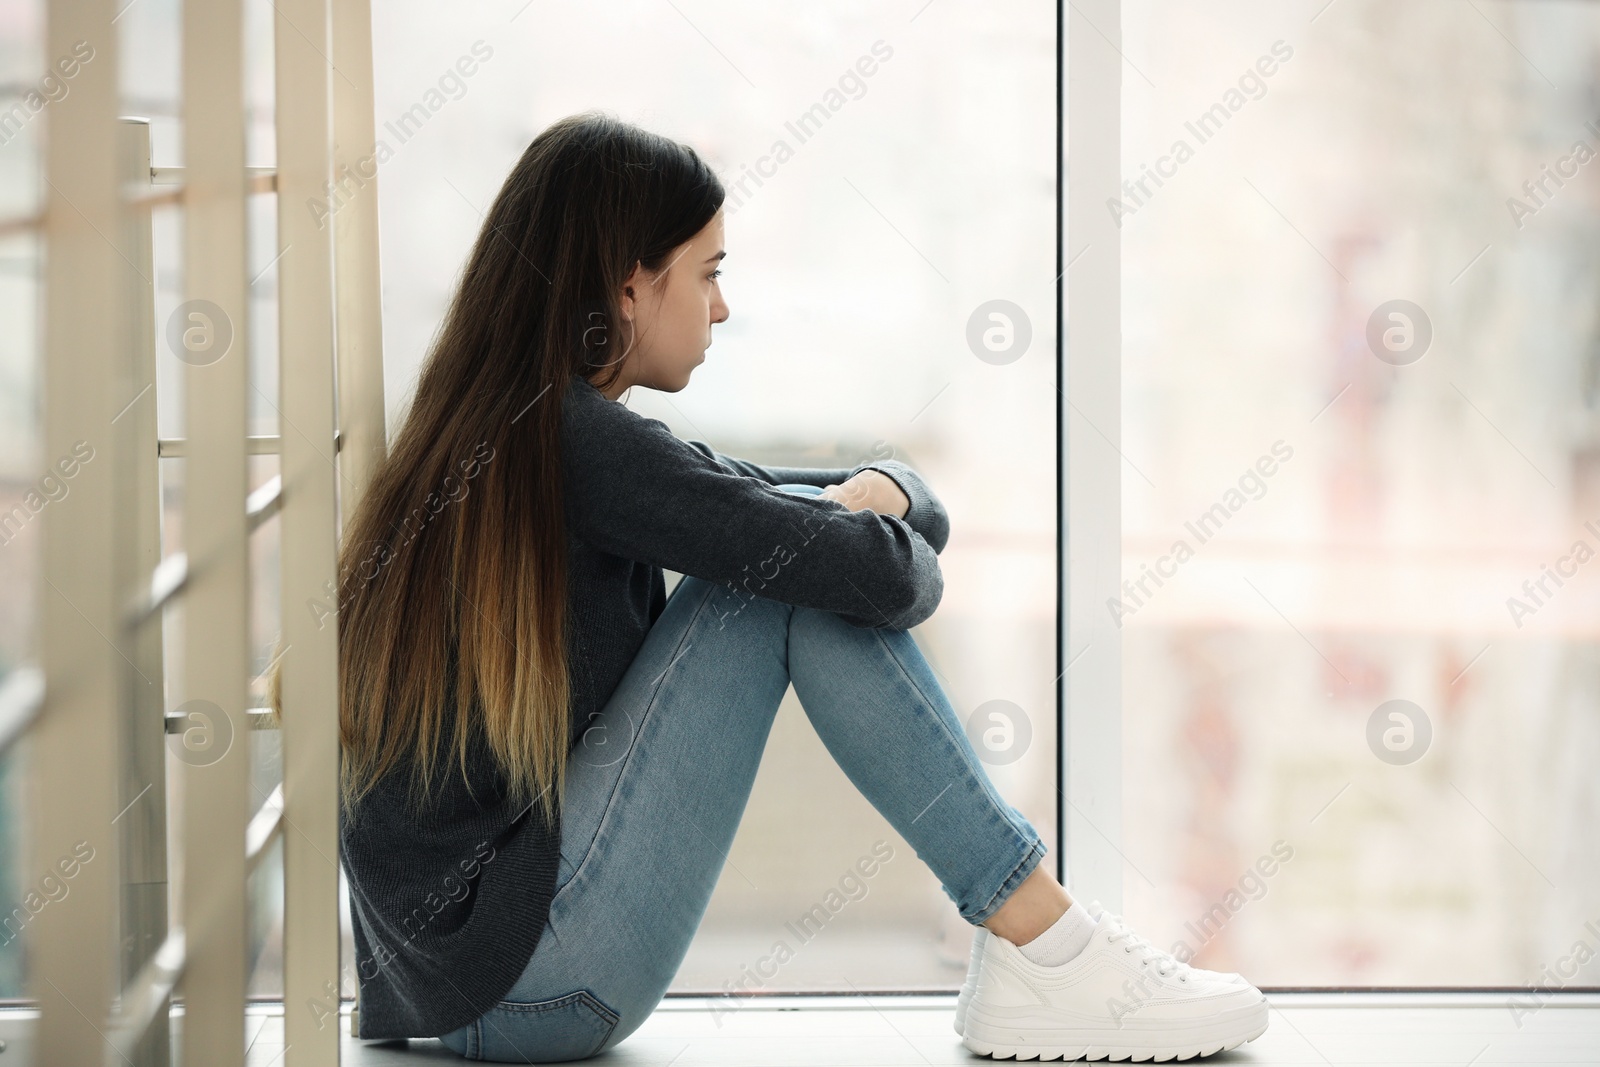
column 1012, row 881
column 585, row 997
column 655, row 697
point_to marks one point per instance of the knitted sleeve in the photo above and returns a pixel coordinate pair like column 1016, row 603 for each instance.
column 926, row 515
column 635, row 490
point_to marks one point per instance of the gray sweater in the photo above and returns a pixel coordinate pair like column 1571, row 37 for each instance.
column 449, row 907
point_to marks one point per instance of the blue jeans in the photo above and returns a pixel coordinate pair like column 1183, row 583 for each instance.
column 657, row 787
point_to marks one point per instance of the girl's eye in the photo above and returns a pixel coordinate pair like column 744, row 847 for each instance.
column 716, row 274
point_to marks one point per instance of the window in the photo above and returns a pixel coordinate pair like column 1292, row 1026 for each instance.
column 1359, row 373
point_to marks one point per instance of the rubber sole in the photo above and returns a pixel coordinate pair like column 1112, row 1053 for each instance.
column 1006, row 1042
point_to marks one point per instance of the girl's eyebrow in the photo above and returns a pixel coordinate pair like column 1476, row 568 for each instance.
column 716, row 257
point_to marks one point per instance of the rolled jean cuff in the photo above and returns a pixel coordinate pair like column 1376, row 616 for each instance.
column 1024, row 867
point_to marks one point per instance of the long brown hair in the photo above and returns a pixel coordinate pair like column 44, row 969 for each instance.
column 453, row 573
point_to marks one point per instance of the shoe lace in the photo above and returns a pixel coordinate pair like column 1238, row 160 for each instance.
column 1165, row 963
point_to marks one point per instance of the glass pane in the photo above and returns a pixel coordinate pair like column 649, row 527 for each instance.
column 1360, row 264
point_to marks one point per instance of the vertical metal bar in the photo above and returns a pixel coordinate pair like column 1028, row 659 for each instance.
column 1092, row 488
column 310, row 692
column 143, row 818
column 211, row 337
column 356, row 265
column 1062, row 660
column 74, row 769
column 358, row 313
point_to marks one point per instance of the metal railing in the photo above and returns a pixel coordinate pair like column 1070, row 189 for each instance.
column 94, row 711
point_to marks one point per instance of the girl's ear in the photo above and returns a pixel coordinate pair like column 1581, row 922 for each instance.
column 627, row 299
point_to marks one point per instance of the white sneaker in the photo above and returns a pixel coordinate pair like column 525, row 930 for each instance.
column 1095, row 911
column 979, row 936
column 981, row 933
column 1121, row 998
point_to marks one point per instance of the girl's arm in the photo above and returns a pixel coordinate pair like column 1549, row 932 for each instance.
column 818, row 476
column 635, row 490
column 927, row 514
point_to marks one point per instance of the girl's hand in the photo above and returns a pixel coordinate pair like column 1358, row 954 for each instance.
column 870, row 491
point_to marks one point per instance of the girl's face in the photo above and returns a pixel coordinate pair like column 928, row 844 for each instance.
column 668, row 314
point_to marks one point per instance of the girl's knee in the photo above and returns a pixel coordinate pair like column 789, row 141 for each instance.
column 724, row 604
